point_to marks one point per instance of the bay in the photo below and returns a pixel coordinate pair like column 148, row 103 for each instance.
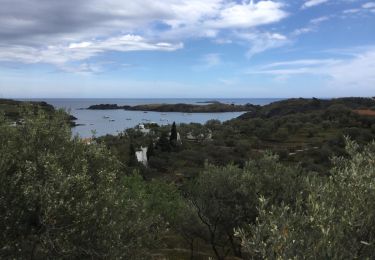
column 103, row 122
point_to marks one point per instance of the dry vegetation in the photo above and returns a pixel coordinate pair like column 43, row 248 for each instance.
column 365, row 112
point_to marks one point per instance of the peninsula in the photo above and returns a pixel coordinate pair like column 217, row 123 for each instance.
column 216, row 107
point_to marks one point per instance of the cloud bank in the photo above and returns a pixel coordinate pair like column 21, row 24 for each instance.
column 58, row 32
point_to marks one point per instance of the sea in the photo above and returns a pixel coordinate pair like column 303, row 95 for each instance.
column 102, row 122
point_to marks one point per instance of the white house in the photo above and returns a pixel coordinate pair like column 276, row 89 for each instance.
column 143, row 129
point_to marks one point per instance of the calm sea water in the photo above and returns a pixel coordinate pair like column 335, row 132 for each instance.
column 102, row 122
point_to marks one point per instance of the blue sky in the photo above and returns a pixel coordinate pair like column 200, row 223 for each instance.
column 187, row 48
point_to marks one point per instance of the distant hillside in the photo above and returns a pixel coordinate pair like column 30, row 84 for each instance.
column 303, row 105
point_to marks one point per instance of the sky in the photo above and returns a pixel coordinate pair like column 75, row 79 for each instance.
column 186, row 48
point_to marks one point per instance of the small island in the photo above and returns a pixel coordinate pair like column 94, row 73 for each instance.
column 216, row 107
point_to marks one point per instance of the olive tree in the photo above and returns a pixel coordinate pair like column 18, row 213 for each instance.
column 225, row 198
column 61, row 198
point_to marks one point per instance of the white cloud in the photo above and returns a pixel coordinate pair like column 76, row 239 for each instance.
column 228, row 16
column 307, row 62
column 369, row 5
column 311, row 3
column 356, row 72
column 259, row 42
column 78, row 30
column 62, row 54
column 83, row 68
column 363, row 9
column 302, row 30
column 312, row 26
column 248, row 14
column 79, row 45
column 351, row 11
column 27, row 20
column 319, row 19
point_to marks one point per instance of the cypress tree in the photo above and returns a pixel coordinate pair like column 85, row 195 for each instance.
column 173, row 136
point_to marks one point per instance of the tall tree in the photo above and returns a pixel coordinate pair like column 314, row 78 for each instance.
column 173, row 136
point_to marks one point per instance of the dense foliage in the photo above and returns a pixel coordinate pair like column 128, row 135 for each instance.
column 307, row 132
column 226, row 197
column 60, row 198
column 13, row 110
column 272, row 185
column 335, row 221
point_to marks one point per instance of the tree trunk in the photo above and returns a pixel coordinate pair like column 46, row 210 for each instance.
column 235, row 248
column 192, row 249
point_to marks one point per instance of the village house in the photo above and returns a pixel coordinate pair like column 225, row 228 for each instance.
column 143, row 129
